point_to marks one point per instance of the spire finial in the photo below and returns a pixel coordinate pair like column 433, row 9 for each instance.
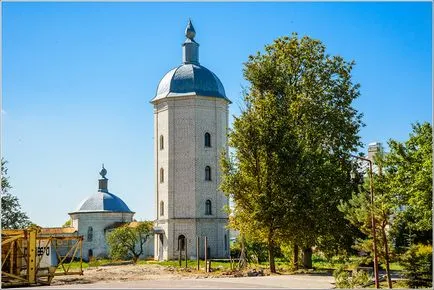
column 190, row 48
column 190, row 33
column 103, row 172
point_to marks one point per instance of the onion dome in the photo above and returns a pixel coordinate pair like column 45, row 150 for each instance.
column 103, row 201
column 190, row 78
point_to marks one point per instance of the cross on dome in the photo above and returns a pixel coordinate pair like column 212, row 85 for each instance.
column 103, row 171
column 190, row 33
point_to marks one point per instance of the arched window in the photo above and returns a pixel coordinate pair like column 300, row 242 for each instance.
column 89, row 234
column 208, row 207
column 207, row 173
column 161, row 208
column 181, row 243
column 207, row 140
column 161, row 175
column 161, row 142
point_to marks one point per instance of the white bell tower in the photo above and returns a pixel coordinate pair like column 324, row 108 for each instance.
column 190, row 132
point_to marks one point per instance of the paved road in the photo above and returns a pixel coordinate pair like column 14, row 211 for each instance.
column 283, row 281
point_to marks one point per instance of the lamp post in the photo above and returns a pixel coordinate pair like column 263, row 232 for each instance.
column 371, row 184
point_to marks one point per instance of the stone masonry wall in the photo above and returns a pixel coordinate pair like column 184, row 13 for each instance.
column 183, row 121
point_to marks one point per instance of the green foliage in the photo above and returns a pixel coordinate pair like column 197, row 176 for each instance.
column 410, row 165
column 402, row 206
column 287, row 250
column 67, row 224
column 418, row 268
column 343, row 278
column 12, row 216
column 127, row 242
column 256, row 252
column 290, row 166
column 360, row 211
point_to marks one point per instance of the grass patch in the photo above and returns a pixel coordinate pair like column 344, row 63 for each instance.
column 72, row 266
column 397, row 284
column 393, row 266
column 191, row 264
column 75, row 265
column 350, row 263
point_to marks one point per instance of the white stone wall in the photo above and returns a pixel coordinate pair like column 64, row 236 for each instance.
column 183, row 121
column 98, row 221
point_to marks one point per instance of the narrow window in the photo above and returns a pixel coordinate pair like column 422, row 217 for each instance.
column 207, row 173
column 208, row 207
column 90, row 253
column 161, row 175
column 161, row 142
column 89, row 234
column 181, row 243
column 161, row 208
column 207, row 140
column 226, row 242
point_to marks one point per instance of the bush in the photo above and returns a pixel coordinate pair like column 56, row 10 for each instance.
column 256, row 252
column 343, row 279
column 417, row 262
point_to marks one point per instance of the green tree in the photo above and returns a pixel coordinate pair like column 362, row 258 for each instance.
column 67, row 224
column 409, row 164
column 12, row 216
column 403, row 195
column 418, row 266
column 129, row 240
column 290, row 167
column 359, row 210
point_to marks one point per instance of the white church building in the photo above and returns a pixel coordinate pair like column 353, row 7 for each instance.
column 190, row 132
column 99, row 214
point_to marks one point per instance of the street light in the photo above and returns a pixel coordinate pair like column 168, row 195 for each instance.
column 377, row 284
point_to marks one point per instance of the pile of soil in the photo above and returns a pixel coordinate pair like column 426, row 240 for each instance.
column 123, row 272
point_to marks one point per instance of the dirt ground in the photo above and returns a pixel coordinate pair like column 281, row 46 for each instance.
column 130, row 272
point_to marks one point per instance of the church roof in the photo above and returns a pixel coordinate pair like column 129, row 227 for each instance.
column 190, row 78
column 103, row 200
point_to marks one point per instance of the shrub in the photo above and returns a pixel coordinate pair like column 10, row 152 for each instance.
column 417, row 262
column 343, row 279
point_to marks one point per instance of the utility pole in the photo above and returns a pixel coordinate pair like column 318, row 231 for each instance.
column 197, row 252
column 374, row 235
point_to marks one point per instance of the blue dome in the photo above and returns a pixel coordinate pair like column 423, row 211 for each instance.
column 190, row 79
column 103, row 201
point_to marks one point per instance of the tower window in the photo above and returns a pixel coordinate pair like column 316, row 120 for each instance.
column 161, row 175
column 161, row 142
column 207, row 140
column 226, row 242
column 208, row 207
column 207, row 173
column 89, row 234
column 161, row 208
column 181, row 243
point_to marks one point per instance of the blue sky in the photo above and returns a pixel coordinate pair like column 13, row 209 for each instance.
column 78, row 78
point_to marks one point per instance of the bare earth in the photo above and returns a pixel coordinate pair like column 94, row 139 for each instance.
column 123, row 272
column 156, row 276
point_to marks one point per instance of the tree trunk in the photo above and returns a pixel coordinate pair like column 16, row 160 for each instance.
column 243, row 261
column 271, row 256
column 307, row 258
column 295, row 257
column 386, row 251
